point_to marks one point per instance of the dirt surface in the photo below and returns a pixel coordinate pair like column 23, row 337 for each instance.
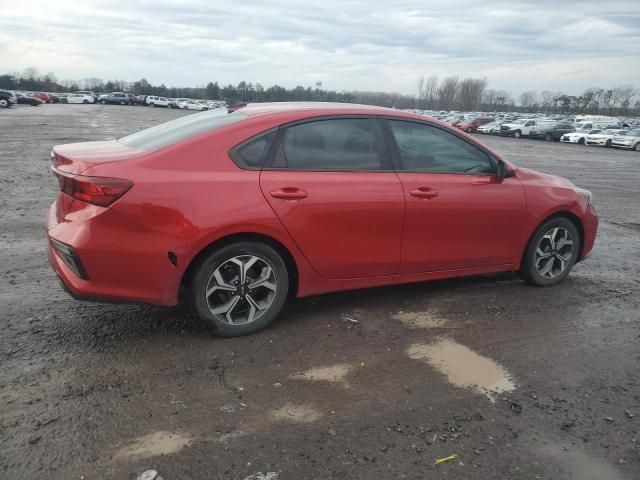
column 367, row 384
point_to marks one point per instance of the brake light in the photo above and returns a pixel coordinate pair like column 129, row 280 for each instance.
column 99, row 191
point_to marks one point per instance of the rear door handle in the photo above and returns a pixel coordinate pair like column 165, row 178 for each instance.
column 289, row 193
column 424, row 192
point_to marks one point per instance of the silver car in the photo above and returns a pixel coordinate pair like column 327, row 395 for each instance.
column 630, row 140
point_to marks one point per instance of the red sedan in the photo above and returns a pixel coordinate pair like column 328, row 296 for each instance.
column 233, row 213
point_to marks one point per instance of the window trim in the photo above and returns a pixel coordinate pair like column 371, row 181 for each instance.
column 386, row 164
column 397, row 159
column 236, row 157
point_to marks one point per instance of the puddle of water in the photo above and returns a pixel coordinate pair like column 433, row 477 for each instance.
column 333, row 373
column 579, row 464
column 428, row 319
column 463, row 367
column 154, row 444
column 295, row 413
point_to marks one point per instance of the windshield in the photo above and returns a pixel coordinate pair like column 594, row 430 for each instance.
column 180, row 129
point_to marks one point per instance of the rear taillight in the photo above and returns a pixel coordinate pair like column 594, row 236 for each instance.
column 99, row 191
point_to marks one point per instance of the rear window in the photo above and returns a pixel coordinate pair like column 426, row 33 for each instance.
column 180, row 129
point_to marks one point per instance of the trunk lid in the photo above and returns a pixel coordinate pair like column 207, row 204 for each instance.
column 75, row 158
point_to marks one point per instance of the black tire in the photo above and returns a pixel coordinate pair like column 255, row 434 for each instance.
column 85, row 101
column 517, row 134
column 103, row 102
column 4, row 103
column 608, row 144
column 637, row 147
column 122, row 102
column 581, row 141
column 197, row 299
column 548, row 137
column 152, row 104
column 528, row 271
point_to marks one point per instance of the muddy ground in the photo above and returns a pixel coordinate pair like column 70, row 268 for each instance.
column 364, row 384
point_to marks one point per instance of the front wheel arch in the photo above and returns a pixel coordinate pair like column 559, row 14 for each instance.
column 292, row 268
column 562, row 214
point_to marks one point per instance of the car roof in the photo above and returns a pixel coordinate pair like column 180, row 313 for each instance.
column 320, row 108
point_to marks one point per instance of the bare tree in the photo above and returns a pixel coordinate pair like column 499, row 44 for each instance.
column 448, row 93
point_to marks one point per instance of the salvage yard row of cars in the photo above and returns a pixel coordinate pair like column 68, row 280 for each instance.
column 580, row 129
column 8, row 98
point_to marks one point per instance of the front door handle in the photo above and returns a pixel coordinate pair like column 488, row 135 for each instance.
column 289, row 193
column 424, row 192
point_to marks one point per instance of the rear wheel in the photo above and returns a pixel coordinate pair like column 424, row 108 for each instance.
column 551, row 253
column 4, row 103
column 581, row 141
column 85, row 101
column 103, row 102
column 239, row 289
column 608, row 143
column 517, row 134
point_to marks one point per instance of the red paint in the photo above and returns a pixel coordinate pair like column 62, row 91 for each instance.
column 344, row 230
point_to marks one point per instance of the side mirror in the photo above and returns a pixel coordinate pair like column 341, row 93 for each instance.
column 504, row 171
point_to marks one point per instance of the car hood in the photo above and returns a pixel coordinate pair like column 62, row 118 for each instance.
column 527, row 175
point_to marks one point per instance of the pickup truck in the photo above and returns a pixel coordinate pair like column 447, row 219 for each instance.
column 519, row 128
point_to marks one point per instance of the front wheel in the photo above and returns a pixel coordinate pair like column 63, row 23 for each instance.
column 581, row 141
column 103, row 102
column 517, row 134
column 4, row 103
column 239, row 289
column 85, row 101
column 608, row 144
column 551, row 253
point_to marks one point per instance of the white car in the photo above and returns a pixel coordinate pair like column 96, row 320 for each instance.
column 155, row 101
column 182, row 102
column 193, row 105
column 519, row 128
column 630, row 140
column 579, row 136
column 488, row 128
column 604, row 138
column 80, row 98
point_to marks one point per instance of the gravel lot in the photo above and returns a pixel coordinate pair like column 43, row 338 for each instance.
column 364, row 384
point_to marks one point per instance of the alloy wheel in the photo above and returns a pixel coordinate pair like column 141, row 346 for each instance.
column 241, row 289
column 553, row 252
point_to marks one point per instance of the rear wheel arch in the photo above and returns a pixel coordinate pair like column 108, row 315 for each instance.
column 287, row 257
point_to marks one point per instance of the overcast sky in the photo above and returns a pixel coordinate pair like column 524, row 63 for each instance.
column 367, row 45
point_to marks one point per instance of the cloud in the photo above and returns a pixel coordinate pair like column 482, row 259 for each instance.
column 366, row 45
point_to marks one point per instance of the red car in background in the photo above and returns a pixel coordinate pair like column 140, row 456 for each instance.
column 472, row 125
column 45, row 97
column 234, row 213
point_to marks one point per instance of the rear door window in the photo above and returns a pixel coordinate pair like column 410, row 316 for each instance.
column 331, row 144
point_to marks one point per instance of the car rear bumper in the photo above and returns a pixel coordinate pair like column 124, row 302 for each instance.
column 121, row 261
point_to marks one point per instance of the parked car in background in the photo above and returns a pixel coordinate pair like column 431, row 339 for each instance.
column 630, row 139
column 472, row 125
column 518, row 128
column 579, row 136
column 155, row 101
column 116, row 98
column 550, row 130
column 27, row 100
column 7, row 99
column 141, row 100
column 54, row 97
column 302, row 226
column 88, row 92
column 193, row 105
column 489, row 128
column 182, row 102
column 80, row 98
column 604, row 138
column 43, row 96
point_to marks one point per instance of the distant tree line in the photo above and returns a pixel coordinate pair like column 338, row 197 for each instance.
column 434, row 93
